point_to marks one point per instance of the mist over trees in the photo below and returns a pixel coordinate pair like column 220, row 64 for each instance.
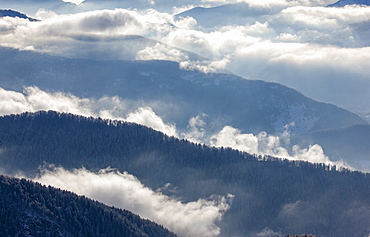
column 284, row 196
column 31, row 209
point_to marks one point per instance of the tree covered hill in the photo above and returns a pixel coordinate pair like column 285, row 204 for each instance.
column 285, row 196
column 12, row 13
column 31, row 209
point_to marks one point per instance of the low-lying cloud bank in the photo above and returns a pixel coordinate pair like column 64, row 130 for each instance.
column 197, row 218
column 33, row 99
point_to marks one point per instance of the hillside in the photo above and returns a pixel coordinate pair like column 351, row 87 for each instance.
column 30, row 209
column 11, row 13
column 175, row 94
column 284, row 196
column 356, row 137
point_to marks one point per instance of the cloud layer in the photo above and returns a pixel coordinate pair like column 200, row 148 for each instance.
column 320, row 51
column 197, row 218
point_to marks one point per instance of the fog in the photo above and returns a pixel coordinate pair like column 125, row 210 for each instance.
column 123, row 190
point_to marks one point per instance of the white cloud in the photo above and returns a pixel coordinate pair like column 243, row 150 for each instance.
column 33, row 99
column 77, row 2
column 197, row 218
column 206, row 66
column 324, row 18
column 275, row 47
column 271, row 3
column 161, row 52
column 231, row 137
column 195, row 131
column 147, row 117
column 270, row 145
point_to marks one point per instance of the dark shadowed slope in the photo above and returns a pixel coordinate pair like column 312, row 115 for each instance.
column 284, row 196
column 30, row 209
column 11, row 13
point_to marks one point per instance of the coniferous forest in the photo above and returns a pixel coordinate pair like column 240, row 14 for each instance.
column 287, row 196
column 30, row 209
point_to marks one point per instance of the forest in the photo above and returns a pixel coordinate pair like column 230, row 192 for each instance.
column 282, row 195
column 31, row 209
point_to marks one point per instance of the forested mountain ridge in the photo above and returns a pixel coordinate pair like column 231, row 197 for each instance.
column 31, row 209
column 12, row 13
column 278, row 194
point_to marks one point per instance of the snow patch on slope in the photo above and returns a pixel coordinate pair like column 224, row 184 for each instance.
column 301, row 119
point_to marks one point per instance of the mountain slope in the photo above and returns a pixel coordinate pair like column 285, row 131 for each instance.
column 277, row 194
column 228, row 14
column 30, row 209
column 30, row 7
column 356, row 136
column 11, row 13
column 176, row 95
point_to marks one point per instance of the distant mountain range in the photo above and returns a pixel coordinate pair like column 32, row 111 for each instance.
column 31, row 209
column 176, row 95
column 227, row 14
column 273, row 194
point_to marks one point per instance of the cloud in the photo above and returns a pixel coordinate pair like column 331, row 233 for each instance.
column 197, row 218
column 317, row 50
column 324, row 18
column 77, row 2
column 33, row 99
column 270, row 3
column 206, row 66
column 147, row 117
column 162, row 52
column 102, row 34
column 195, row 131
column 270, row 145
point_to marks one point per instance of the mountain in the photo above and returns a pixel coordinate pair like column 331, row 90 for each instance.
column 279, row 195
column 30, row 7
column 342, row 3
column 356, row 136
column 228, row 14
column 11, row 13
column 30, row 209
column 358, row 33
column 175, row 94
